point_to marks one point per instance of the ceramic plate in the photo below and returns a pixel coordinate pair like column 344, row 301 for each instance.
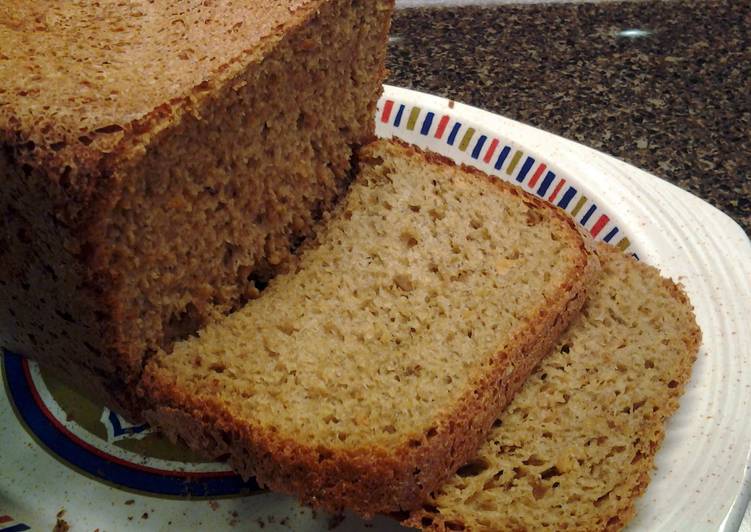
column 61, row 454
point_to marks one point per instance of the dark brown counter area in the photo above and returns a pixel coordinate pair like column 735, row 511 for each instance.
column 665, row 86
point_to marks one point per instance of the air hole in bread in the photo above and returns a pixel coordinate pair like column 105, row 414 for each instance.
column 112, row 128
column 533, row 461
column 65, row 316
column 473, row 468
column 538, row 491
column 217, row 367
column 601, row 499
column 533, row 218
column 409, row 239
column 182, row 325
column 404, row 282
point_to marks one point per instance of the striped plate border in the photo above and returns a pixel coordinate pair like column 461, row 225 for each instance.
column 8, row 524
column 498, row 158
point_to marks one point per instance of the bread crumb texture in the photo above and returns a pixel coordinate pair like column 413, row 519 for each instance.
column 423, row 285
column 575, row 448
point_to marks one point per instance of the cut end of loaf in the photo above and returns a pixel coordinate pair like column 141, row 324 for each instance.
column 369, row 374
column 110, row 256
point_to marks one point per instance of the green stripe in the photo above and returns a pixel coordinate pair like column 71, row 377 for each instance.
column 466, row 138
column 413, row 118
column 579, row 205
column 514, row 161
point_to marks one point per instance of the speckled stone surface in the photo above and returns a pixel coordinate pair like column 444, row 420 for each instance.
column 676, row 102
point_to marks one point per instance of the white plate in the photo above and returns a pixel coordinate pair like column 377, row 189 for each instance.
column 91, row 465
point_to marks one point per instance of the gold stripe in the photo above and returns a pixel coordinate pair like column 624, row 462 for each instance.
column 466, row 138
column 413, row 118
column 579, row 205
column 514, row 161
column 623, row 244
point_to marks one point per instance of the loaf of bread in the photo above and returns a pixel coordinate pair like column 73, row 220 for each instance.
column 576, row 447
column 161, row 160
column 374, row 370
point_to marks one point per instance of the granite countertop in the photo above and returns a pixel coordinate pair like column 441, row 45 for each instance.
column 675, row 101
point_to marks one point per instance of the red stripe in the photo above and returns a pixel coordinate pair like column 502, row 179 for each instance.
column 558, row 188
column 599, row 225
column 59, row 426
column 441, row 127
column 491, row 150
column 538, row 173
column 387, row 107
column 5, row 518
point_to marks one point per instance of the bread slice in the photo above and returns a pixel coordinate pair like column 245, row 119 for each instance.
column 158, row 160
column 372, row 372
column 576, row 446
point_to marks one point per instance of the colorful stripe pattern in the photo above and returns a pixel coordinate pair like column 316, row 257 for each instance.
column 509, row 163
column 8, row 524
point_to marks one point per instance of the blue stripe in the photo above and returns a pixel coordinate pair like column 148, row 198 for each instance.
column 567, row 197
column 478, row 146
column 611, row 234
column 16, row 528
column 525, row 169
column 170, row 483
column 399, row 113
column 589, row 214
column 502, row 157
column 427, row 123
column 549, row 177
column 454, row 131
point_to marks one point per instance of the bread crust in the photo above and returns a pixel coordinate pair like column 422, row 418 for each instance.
column 60, row 280
column 90, row 131
column 373, row 480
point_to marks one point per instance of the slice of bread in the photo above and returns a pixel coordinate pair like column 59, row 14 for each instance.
column 576, row 447
column 367, row 376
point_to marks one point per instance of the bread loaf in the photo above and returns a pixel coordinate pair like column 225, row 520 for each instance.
column 158, row 162
column 576, row 447
column 371, row 372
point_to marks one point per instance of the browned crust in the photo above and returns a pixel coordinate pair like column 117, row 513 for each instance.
column 635, row 484
column 90, row 163
column 69, row 194
column 377, row 480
